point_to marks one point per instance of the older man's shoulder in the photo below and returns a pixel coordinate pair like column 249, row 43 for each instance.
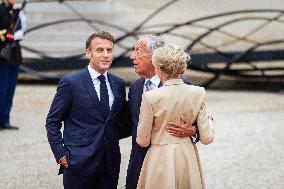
column 137, row 82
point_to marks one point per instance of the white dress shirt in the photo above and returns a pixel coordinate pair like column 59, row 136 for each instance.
column 94, row 75
column 155, row 82
column 19, row 34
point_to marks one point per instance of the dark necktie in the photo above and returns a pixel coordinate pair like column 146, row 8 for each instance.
column 104, row 100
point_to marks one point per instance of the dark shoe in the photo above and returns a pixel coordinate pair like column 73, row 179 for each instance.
column 8, row 127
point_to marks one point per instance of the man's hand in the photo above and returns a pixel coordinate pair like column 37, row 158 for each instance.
column 63, row 161
column 181, row 130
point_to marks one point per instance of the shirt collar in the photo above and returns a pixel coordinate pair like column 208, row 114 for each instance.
column 94, row 74
column 155, row 80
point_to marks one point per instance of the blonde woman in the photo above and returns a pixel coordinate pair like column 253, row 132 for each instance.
column 172, row 162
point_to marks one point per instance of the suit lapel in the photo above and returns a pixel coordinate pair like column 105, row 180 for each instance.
column 139, row 87
column 114, row 88
column 90, row 88
column 113, row 84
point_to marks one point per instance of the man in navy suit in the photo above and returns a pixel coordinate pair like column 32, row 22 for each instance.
column 90, row 103
column 142, row 63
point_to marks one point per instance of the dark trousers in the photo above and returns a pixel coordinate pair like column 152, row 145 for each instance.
column 135, row 164
column 100, row 180
column 8, row 82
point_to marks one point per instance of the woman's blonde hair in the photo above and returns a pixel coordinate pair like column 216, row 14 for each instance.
column 171, row 60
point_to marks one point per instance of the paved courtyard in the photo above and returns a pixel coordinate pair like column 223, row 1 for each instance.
column 248, row 151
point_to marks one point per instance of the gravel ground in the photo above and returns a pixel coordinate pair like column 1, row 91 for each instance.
column 248, row 150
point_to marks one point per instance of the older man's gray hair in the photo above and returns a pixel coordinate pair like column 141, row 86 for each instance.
column 154, row 42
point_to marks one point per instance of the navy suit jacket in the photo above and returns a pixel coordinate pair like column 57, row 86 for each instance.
column 88, row 139
column 137, row 153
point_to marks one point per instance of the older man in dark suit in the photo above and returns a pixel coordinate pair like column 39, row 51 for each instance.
column 90, row 103
column 142, row 63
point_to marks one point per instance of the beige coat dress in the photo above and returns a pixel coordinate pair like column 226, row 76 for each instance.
column 172, row 162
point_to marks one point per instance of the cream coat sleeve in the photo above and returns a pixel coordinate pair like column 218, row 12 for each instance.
column 204, row 123
column 144, row 129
